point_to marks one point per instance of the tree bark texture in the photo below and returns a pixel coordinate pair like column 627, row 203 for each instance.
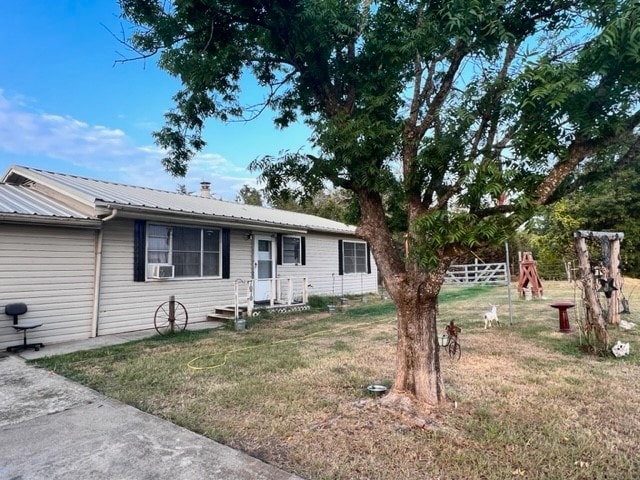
column 593, row 315
column 418, row 359
column 415, row 294
column 613, row 315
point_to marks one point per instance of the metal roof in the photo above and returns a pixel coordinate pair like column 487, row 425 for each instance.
column 101, row 193
column 19, row 200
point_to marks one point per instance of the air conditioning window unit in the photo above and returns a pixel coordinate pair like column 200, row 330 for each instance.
column 162, row 271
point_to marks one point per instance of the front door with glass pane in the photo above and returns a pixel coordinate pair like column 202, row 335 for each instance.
column 264, row 267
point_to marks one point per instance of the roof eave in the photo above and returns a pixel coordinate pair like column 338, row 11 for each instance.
column 163, row 215
column 31, row 219
column 157, row 214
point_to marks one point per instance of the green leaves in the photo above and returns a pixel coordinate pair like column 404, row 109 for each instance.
column 435, row 108
column 438, row 234
column 588, row 89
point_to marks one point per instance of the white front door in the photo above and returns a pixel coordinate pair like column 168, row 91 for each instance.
column 264, row 267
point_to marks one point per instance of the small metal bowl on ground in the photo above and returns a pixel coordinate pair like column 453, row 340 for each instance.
column 377, row 389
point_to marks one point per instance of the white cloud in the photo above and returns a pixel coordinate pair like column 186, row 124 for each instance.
column 29, row 133
column 226, row 178
column 109, row 152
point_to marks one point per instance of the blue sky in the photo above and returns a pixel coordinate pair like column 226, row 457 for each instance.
column 66, row 106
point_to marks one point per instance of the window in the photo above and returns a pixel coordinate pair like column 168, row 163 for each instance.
column 354, row 256
column 291, row 250
column 194, row 252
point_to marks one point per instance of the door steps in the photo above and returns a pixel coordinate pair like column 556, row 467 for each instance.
column 227, row 312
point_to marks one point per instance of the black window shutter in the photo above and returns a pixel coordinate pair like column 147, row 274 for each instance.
column 279, row 249
column 139, row 250
column 340, row 267
column 226, row 253
column 303, row 250
column 368, row 258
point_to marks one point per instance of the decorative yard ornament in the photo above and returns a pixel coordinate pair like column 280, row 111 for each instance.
column 624, row 306
column 491, row 316
column 592, row 285
column 607, row 287
column 620, row 349
column 604, row 278
column 529, row 278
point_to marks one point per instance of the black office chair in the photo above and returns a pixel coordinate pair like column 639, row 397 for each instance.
column 14, row 310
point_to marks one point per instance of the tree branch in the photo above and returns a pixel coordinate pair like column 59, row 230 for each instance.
column 577, row 152
column 458, row 55
column 492, row 100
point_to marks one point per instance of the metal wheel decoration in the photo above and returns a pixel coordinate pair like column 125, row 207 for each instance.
column 170, row 317
column 455, row 350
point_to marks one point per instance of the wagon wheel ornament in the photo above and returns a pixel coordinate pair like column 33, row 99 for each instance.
column 170, row 317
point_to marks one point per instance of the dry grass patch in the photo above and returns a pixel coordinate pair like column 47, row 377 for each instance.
column 524, row 402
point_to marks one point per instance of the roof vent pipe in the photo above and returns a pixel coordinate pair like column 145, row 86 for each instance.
column 205, row 189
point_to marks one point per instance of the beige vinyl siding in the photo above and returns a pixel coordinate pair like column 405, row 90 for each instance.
column 321, row 269
column 126, row 305
column 51, row 269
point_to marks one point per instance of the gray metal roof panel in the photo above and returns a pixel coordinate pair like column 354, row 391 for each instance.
column 22, row 200
column 119, row 194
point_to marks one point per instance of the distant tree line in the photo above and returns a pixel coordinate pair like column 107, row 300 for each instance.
column 333, row 204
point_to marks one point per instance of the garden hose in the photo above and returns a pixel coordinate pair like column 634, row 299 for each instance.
column 305, row 338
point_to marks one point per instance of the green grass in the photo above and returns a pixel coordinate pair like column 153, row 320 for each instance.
column 525, row 400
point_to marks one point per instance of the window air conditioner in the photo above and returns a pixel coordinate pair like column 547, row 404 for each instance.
column 162, row 271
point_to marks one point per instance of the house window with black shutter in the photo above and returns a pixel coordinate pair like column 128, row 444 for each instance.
column 192, row 251
column 354, row 257
column 292, row 250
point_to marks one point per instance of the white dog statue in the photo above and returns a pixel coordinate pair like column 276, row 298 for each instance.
column 491, row 316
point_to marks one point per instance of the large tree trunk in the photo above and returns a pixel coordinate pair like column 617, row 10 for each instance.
column 418, row 383
column 418, row 359
column 415, row 293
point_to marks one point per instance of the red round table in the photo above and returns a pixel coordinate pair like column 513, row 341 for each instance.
column 563, row 315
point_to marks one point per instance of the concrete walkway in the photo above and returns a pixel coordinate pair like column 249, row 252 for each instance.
column 52, row 428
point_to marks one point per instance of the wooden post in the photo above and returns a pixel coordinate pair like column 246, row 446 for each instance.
column 593, row 314
column 305, row 291
column 610, row 245
column 172, row 312
column 614, row 272
column 611, row 269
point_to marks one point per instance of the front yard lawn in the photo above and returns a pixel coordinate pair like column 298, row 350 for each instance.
column 291, row 390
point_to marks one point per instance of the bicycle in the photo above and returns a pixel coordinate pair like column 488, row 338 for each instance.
column 453, row 346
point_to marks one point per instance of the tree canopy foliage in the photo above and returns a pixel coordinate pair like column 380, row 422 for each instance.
column 249, row 196
column 430, row 112
column 607, row 204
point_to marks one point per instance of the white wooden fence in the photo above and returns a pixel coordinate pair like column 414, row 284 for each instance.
column 477, row 274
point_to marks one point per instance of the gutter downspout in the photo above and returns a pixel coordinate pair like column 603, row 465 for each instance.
column 98, row 275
